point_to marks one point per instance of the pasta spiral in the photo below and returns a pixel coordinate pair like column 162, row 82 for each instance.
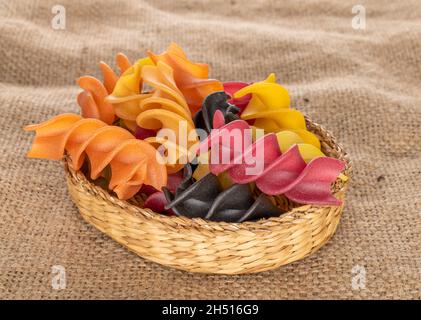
column 269, row 107
column 191, row 78
column 164, row 108
column 280, row 173
column 92, row 99
column 207, row 199
column 132, row 162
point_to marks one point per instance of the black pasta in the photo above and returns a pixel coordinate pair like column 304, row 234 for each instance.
column 215, row 101
column 196, row 200
column 187, row 179
column 237, row 204
column 206, row 199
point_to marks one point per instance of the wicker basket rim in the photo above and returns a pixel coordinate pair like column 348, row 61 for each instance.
column 328, row 142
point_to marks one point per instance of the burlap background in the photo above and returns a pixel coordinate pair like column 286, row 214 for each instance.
column 364, row 85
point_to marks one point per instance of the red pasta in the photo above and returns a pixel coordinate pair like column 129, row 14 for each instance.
column 275, row 173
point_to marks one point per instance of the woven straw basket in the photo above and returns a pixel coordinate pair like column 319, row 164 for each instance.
column 197, row 245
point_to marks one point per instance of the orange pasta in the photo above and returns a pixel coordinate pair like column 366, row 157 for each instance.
column 123, row 62
column 132, row 162
column 191, row 78
column 167, row 109
column 164, row 108
column 92, row 99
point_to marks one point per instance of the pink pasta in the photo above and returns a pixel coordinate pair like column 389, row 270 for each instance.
column 273, row 172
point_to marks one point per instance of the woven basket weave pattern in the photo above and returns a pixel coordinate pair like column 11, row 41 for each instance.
column 197, row 245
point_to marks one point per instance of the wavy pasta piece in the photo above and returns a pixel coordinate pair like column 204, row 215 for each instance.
column 269, row 107
column 123, row 63
column 166, row 95
column 108, row 75
column 126, row 95
column 206, row 199
column 132, row 162
column 265, row 95
column 156, row 202
column 128, row 102
column 92, row 99
column 215, row 112
column 130, row 81
column 304, row 183
column 249, row 165
column 232, row 87
column 191, row 78
column 276, row 171
column 286, row 139
column 164, row 108
column 177, row 156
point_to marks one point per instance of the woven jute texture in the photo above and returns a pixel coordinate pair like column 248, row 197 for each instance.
column 363, row 85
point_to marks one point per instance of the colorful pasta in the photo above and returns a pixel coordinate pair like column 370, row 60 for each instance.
column 92, row 99
column 232, row 87
column 191, row 78
column 277, row 173
column 269, row 107
column 127, row 93
column 132, row 162
column 215, row 112
column 206, row 199
column 139, row 129
column 164, row 108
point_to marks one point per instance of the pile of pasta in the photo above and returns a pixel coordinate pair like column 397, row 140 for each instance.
column 121, row 136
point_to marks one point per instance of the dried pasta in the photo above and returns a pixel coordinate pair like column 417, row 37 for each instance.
column 191, row 78
column 92, row 99
column 132, row 162
column 280, row 172
column 269, row 107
